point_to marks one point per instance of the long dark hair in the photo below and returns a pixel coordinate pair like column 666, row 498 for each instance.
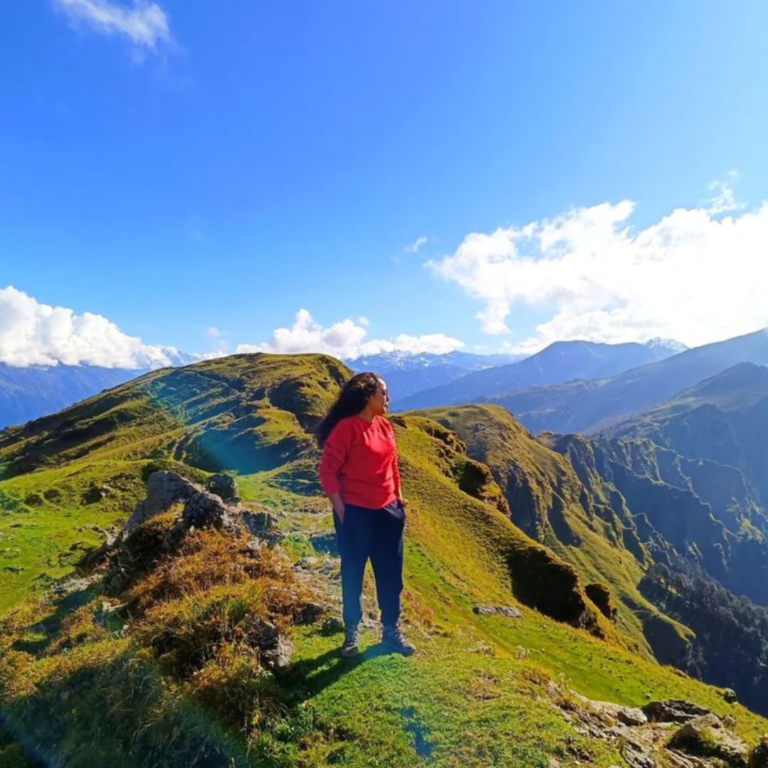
column 353, row 397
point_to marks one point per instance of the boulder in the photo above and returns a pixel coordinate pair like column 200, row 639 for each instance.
column 278, row 657
column 310, row 613
column 502, row 610
column 164, row 489
column 276, row 648
column 204, row 510
column 332, row 625
column 262, row 525
column 706, row 736
column 672, row 711
column 225, row 487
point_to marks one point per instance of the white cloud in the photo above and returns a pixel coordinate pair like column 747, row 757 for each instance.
column 32, row 333
column 143, row 23
column 212, row 332
column 724, row 200
column 695, row 275
column 346, row 339
column 416, row 244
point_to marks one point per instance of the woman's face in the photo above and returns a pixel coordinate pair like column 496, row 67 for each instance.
column 380, row 399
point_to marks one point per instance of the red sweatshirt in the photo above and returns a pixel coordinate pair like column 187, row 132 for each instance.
column 360, row 462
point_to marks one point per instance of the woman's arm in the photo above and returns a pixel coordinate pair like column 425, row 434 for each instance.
column 335, row 452
column 396, row 469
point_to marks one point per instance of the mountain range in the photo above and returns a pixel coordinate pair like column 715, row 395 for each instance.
column 409, row 373
column 30, row 392
column 559, row 362
column 589, row 405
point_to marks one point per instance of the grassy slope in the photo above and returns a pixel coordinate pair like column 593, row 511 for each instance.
column 468, row 698
column 589, row 543
column 205, row 415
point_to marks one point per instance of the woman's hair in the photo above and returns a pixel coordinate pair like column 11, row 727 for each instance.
column 353, row 397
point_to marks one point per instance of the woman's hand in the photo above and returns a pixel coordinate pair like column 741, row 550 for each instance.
column 402, row 502
column 338, row 506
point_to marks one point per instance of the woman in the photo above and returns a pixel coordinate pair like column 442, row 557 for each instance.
column 359, row 474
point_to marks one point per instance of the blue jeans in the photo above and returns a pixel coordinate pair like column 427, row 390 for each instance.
column 376, row 534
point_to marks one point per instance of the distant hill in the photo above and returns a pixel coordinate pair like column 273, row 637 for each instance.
column 719, row 423
column 28, row 393
column 588, row 406
column 406, row 373
column 561, row 361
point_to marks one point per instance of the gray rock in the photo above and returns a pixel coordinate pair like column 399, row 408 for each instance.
column 262, row 525
column 325, row 543
column 502, row 610
column 278, row 657
column 707, row 736
column 636, row 756
column 310, row 613
column 672, row 711
column 224, row 486
column 729, row 695
column 204, row 510
column 632, row 716
column 163, row 490
column 332, row 625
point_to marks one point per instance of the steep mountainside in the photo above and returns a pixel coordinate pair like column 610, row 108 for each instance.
column 582, row 519
column 615, row 508
column 588, row 406
column 28, row 393
column 562, row 361
column 207, row 647
column 708, row 442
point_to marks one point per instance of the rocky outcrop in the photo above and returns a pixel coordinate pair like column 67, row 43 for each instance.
column 673, row 711
column 674, row 733
column 225, row 487
column 164, row 489
column 707, row 736
column 173, row 507
column 206, row 510
column 502, row 610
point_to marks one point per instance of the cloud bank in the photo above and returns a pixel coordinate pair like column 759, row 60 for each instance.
column 144, row 24
column 695, row 275
column 346, row 340
column 32, row 333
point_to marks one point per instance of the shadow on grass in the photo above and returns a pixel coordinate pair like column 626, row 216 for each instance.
column 50, row 626
column 307, row 678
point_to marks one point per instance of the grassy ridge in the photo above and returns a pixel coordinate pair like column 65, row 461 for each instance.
column 475, row 695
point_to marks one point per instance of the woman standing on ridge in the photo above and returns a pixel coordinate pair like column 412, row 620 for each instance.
column 359, row 474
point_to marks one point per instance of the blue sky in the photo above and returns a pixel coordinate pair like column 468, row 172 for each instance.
column 179, row 167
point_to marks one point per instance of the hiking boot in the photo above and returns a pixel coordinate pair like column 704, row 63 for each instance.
column 392, row 638
column 351, row 643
